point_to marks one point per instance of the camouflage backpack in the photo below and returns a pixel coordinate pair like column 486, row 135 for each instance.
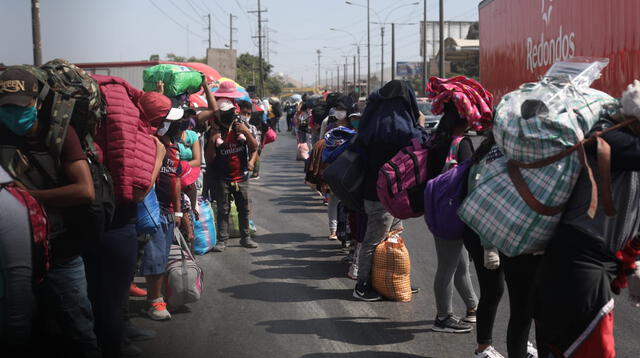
column 77, row 101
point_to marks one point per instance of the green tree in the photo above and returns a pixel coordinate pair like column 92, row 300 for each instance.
column 154, row 57
column 248, row 69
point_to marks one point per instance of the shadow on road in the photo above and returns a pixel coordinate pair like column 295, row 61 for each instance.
column 295, row 254
column 283, row 292
column 300, row 270
column 285, row 238
column 363, row 354
column 367, row 331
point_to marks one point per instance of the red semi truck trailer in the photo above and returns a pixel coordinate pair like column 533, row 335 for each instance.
column 521, row 39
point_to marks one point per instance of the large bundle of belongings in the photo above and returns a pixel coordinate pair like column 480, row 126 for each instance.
column 529, row 176
column 177, row 79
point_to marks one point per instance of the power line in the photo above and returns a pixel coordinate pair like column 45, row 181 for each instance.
column 185, row 13
column 174, row 21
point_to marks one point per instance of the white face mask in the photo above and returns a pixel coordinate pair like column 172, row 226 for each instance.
column 340, row 115
column 245, row 118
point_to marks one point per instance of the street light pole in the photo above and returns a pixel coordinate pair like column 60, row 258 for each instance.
column 318, row 83
column 441, row 67
column 393, row 51
column 368, row 49
column 424, row 49
column 382, row 55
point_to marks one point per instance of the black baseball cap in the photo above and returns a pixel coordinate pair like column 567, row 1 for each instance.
column 17, row 87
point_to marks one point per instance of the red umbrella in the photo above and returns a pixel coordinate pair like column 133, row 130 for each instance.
column 208, row 71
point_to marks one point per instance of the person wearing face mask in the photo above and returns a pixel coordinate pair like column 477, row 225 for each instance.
column 337, row 113
column 67, row 183
column 354, row 120
column 230, row 147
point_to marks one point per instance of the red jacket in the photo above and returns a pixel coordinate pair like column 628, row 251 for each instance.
column 128, row 149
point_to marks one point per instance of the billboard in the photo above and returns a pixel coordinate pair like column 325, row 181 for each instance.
column 408, row 69
column 453, row 29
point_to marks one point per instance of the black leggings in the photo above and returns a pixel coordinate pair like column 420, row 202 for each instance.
column 520, row 273
column 491, row 289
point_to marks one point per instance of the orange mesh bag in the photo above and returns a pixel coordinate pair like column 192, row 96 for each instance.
column 391, row 271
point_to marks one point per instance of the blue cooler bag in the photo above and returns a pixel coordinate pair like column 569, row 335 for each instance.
column 148, row 214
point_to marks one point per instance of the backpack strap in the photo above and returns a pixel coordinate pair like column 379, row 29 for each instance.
column 60, row 119
column 604, row 166
column 452, row 157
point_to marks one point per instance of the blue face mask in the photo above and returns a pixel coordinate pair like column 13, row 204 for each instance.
column 18, row 119
column 355, row 123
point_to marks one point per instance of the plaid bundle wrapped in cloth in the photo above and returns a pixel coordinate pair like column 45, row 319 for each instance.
column 391, row 270
column 495, row 209
column 473, row 102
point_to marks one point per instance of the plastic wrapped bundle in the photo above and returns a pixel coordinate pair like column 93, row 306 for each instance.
column 177, row 79
column 518, row 202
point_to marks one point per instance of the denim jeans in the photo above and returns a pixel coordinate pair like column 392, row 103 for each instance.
column 379, row 224
column 240, row 192
column 67, row 301
column 156, row 252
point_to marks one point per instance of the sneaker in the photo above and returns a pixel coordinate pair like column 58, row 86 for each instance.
column 158, row 310
column 366, row 293
column 137, row 334
column 353, row 271
column 451, row 324
column 471, row 316
column 130, row 350
column 255, row 177
column 346, row 245
column 490, row 352
column 248, row 243
column 333, row 236
column 219, row 246
column 136, row 291
column 532, row 351
column 415, row 290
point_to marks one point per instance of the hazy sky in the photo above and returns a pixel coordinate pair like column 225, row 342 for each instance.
column 126, row 30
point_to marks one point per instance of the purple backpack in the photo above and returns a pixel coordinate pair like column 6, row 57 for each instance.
column 401, row 182
column 443, row 196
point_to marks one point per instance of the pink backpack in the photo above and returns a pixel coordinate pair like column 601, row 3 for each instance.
column 401, row 182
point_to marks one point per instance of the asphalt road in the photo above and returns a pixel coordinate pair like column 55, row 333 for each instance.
column 291, row 296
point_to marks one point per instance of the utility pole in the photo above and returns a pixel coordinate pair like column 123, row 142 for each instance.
column 424, row 49
column 359, row 77
column 35, row 29
column 209, row 29
column 345, row 89
column 393, row 51
column 338, row 79
column 369, row 49
column 326, row 79
column 382, row 56
column 442, row 54
column 354, row 74
column 318, row 83
column 230, row 31
column 261, row 69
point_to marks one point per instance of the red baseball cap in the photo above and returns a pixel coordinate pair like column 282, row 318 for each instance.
column 157, row 107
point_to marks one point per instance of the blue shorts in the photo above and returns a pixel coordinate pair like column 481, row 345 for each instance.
column 156, row 252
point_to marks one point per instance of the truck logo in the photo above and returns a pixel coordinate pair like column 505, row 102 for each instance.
column 546, row 13
column 548, row 51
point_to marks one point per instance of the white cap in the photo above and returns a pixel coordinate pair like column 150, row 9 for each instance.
column 175, row 114
column 225, row 104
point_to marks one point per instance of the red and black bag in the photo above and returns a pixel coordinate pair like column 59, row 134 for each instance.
column 39, row 224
